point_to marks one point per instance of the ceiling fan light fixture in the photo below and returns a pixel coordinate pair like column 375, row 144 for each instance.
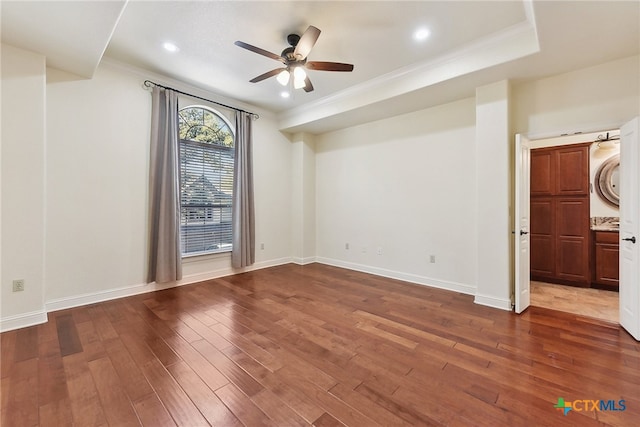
column 298, row 84
column 283, row 77
column 299, row 75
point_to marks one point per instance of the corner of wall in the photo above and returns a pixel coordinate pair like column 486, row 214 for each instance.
column 303, row 188
column 23, row 186
column 493, row 141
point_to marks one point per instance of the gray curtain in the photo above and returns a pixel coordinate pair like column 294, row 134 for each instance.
column 165, row 259
column 244, row 246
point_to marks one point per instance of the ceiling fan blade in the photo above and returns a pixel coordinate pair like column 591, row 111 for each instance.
column 308, row 87
column 307, row 41
column 267, row 75
column 328, row 66
column 260, row 51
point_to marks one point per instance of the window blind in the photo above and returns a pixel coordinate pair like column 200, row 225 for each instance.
column 206, row 194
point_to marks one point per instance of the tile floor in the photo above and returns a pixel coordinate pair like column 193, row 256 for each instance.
column 595, row 303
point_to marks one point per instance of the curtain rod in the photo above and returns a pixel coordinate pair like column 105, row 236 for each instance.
column 149, row 83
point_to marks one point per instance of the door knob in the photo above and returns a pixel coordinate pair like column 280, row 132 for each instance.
column 523, row 232
column 630, row 239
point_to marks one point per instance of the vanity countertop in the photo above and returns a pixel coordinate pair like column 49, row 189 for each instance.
column 615, row 228
column 605, row 223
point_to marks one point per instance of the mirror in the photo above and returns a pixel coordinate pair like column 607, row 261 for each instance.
column 608, row 180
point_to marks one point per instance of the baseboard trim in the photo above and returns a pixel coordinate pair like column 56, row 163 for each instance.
column 38, row 317
column 503, row 304
column 24, row 320
column 111, row 294
column 107, row 295
column 407, row 277
column 303, row 261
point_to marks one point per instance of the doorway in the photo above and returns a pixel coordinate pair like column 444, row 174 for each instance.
column 598, row 303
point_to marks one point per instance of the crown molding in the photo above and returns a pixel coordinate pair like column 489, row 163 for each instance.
column 512, row 43
column 184, row 86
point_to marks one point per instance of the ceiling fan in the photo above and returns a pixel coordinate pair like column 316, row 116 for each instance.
column 295, row 61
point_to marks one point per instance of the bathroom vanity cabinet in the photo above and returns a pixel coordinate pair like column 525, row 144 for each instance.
column 606, row 259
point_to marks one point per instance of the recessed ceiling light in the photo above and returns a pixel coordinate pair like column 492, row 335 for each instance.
column 170, row 47
column 285, row 94
column 421, row 34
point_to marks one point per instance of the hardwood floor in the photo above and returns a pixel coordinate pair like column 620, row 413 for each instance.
column 300, row 345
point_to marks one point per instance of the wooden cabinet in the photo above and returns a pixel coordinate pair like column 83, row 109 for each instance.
column 543, row 172
column 572, row 240
column 572, row 170
column 606, row 259
column 559, row 209
column 542, row 237
column 560, row 171
column 560, row 240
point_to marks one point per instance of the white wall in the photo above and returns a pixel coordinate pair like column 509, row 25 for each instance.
column 84, row 239
column 405, row 186
column 493, row 159
column 303, row 197
column 273, row 180
column 599, row 207
column 358, row 170
column 97, row 170
column 587, row 100
column 97, row 167
column 23, row 186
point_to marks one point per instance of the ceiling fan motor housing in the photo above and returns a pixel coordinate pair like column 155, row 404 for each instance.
column 291, row 58
column 293, row 39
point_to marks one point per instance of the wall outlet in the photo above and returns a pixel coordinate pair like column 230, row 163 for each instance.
column 346, row 246
column 18, row 285
column 364, row 249
column 432, row 259
column 379, row 250
column 262, row 246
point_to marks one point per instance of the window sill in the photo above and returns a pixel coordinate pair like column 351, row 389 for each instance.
column 204, row 256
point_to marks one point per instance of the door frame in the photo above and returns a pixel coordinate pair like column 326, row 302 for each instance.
column 579, row 139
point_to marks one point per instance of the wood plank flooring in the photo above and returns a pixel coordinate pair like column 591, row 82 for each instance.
column 314, row 345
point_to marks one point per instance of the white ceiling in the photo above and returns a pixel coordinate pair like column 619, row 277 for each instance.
column 72, row 35
column 471, row 43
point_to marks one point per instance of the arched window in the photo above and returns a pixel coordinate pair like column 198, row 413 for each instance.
column 206, row 181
